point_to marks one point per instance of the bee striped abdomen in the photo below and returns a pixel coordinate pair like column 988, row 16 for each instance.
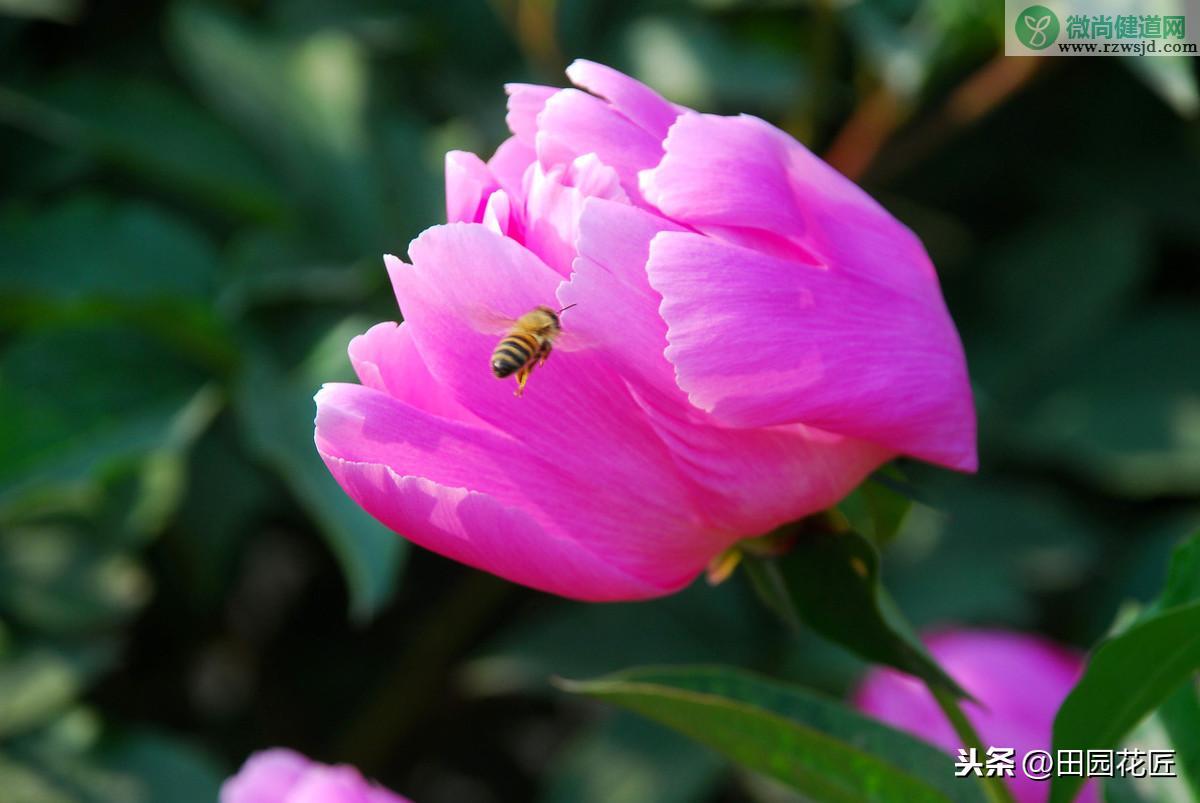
column 513, row 353
column 526, row 345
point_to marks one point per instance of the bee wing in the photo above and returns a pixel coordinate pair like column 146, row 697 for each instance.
column 488, row 321
column 572, row 341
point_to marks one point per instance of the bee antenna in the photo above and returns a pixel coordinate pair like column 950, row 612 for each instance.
column 564, row 309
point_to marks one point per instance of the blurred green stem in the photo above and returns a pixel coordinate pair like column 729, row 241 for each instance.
column 415, row 683
column 993, row 785
column 534, row 27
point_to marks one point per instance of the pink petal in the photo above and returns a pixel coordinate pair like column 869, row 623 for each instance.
column 753, row 480
column 743, row 178
column 574, row 123
column 1020, row 680
column 986, row 662
column 501, row 486
column 322, row 784
column 477, row 530
column 576, row 409
column 266, row 777
column 609, row 284
column 377, row 794
column 498, row 214
column 449, row 302
column 555, row 203
column 726, row 171
column 761, row 341
column 468, row 185
column 903, row 701
column 481, row 497
column 509, row 164
column 636, row 101
column 362, row 425
column 386, row 359
column 525, row 103
column 617, row 237
column 594, row 179
column 575, row 421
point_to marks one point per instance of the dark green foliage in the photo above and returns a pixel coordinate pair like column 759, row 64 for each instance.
column 1152, row 663
column 815, row 745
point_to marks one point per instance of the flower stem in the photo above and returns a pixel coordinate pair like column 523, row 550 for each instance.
column 994, row 787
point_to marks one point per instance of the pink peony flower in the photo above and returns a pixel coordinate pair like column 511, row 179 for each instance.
column 284, row 776
column 1020, row 679
column 753, row 336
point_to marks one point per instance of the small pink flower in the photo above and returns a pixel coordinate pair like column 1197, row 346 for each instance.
column 284, row 776
column 754, row 336
column 1019, row 679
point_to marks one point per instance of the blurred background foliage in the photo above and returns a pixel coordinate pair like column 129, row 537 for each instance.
column 194, row 199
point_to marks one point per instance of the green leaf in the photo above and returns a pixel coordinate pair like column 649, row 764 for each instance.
column 227, row 495
column 902, row 56
column 697, row 62
column 163, row 478
column 996, row 547
column 1183, row 577
column 815, row 745
column 876, row 510
column 87, row 763
column 1180, row 714
column 89, row 247
column 58, row 581
column 24, row 784
column 699, row 624
column 768, row 583
column 1172, row 79
column 91, row 259
column 34, row 686
column 38, row 682
column 630, row 760
column 267, row 269
column 1096, row 256
column 162, row 767
column 888, row 509
column 1127, row 677
column 1123, row 412
column 63, row 11
column 155, row 133
column 1180, row 718
column 75, row 401
column 833, row 582
column 276, row 415
column 302, row 101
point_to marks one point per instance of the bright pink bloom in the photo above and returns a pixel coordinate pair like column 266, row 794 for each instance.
column 1020, row 679
column 284, row 776
column 754, row 336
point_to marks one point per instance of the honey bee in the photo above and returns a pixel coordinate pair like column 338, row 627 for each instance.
column 527, row 344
